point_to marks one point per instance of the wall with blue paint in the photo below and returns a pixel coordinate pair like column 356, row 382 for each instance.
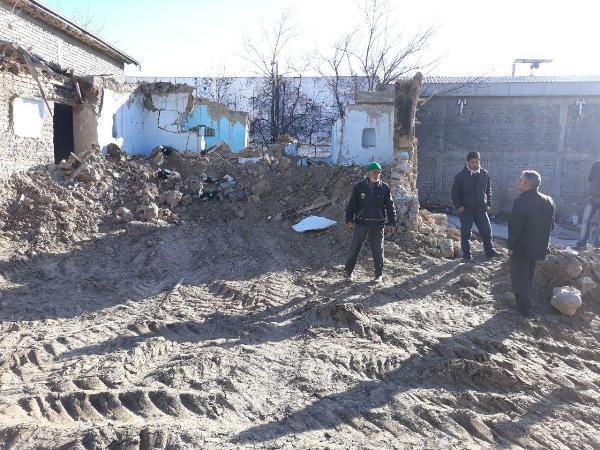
column 139, row 122
column 229, row 126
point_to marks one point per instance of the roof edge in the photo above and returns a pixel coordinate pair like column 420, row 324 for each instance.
column 49, row 16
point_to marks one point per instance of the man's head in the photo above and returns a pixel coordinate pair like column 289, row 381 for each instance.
column 529, row 180
column 374, row 172
column 474, row 160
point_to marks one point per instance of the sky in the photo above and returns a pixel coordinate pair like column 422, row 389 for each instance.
column 473, row 38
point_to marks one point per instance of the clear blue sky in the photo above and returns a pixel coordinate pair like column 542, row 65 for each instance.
column 179, row 37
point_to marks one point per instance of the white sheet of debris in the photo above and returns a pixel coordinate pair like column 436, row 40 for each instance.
column 313, row 223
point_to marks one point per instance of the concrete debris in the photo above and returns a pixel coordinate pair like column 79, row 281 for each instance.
column 171, row 198
column 468, row 280
column 447, row 248
column 585, row 285
column 566, row 299
column 151, row 212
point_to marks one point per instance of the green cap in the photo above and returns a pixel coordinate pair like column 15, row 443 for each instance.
column 373, row 166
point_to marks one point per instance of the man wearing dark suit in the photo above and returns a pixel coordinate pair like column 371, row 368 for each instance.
column 531, row 220
column 472, row 198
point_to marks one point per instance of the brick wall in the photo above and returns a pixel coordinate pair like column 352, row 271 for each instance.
column 512, row 134
column 20, row 153
column 55, row 46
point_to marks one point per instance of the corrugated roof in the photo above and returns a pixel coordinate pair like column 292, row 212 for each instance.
column 58, row 21
column 520, row 79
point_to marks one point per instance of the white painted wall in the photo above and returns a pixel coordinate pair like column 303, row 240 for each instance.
column 28, row 117
column 347, row 145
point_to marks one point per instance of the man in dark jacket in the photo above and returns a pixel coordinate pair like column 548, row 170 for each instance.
column 370, row 211
column 531, row 220
column 591, row 207
column 472, row 197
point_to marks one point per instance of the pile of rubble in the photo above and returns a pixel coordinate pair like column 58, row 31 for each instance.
column 441, row 240
column 571, row 277
column 91, row 192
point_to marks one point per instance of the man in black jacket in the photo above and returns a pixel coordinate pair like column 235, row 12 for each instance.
column 472, row 197
column 591, row 207
column 531, row 220
column 370, row 211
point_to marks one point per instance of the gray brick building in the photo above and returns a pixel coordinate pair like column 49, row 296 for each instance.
column 550, row 124
column 42, row 125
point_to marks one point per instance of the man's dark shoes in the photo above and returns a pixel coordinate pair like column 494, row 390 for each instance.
column 580, row 246
column 493, row 255
column 468, row 259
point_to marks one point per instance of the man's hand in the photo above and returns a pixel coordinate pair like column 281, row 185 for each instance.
column 461, row 209
column 389, row 229
column 349, row 226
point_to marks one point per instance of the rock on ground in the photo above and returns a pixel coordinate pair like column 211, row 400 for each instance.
column 566, row 299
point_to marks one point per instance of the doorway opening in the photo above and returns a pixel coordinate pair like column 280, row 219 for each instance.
column 64, row 142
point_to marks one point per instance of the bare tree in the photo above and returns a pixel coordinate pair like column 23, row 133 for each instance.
column 376, row 53
column 331, row 68
column 217, row 87
column 265, row 55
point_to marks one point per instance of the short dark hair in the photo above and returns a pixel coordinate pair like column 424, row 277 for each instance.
column 532, row 178
column 473, row 155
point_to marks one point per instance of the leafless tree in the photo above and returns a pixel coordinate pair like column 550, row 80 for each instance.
column 376, row 53
column 217, row 87
column 265, row 53
column 331, row 68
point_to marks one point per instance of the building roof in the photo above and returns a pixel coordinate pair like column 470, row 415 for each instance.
column 58, row 21
column 520, row 79
column 528, row 86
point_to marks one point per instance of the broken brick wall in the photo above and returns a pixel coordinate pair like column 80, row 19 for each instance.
column 19, row 152
column 405, row 165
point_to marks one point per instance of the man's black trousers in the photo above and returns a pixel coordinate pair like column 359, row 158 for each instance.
column 375, row 235
column 522, row 270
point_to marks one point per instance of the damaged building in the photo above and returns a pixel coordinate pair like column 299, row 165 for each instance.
column 138, row 118
column 41, row 54
column 62, row 90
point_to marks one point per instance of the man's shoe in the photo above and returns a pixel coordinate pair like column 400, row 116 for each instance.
column 493, row 255
column 468, row 259
column 580, row 246
column 377, row 280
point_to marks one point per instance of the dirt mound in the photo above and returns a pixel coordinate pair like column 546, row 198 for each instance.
column 182, row 311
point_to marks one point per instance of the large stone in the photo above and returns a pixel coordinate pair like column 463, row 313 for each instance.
column 468, row 280
column 585, row 285
column 571, row 266
column 171, row 198
column 447, row 248
column 87, row 174
column 151, row 212
column 566, row 299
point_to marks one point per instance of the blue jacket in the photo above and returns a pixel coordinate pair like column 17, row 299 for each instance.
column 472, row 192
column 371, row 205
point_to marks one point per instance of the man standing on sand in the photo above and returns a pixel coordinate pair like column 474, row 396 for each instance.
column 370, row 212
column 472, row 197
column 591, row 207
column 531, row 220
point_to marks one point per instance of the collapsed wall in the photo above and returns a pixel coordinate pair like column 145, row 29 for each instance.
column 405, row 163
column 29, row 91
